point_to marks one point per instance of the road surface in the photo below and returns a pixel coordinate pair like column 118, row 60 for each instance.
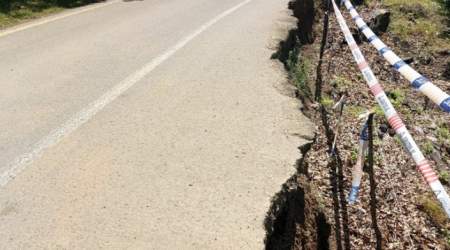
column 148, row 124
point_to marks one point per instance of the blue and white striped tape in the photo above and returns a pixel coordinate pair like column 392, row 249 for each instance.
column 433, row 92
column 396, row 122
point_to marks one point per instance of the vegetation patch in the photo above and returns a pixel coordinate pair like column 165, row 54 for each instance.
column 14, row 11
column 433, row 209
column 426, row 19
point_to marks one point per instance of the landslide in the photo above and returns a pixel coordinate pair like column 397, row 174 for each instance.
column 408, row 214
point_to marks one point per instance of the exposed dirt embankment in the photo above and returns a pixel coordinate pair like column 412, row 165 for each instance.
column 312, row 212
column 296, row 219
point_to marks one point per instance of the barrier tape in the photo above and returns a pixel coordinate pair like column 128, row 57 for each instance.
column 338, row 125
column 394, row 119
column 433, row 92
column 358, row 168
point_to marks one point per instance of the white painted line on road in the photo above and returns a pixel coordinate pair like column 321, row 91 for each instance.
column 24, row 161
column 48, row 20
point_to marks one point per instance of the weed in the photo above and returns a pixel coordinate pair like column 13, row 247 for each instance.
column 380, row 160
column 353, row 155
column 447, row 238
column 321, row 207
column 376, row 141
column 354, row 110
column 326, row 101
column 445, row 157
column 360, row 77
column 396, row 97
column 428, row 147
column 408, row 115
column 298, row 71
column 347, row 144
column 378, row 111
column 443, row 176
column 433, row 209
column 341, row 84
column 442, row 133
column 397, row 139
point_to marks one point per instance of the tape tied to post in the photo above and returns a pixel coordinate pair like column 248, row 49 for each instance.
column 358, row 168
column 421, row 83
column 394, row 119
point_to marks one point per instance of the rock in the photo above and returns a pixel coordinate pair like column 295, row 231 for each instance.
column 409, row 60
column 426, row 58
column 431, row 138
column 380, row 21
column 419, row 130
column 446, row 31
column 444, row 52
column 446, row 72
column 411, row 104
column 432, row 125
column 391, row 132
column 384, row 128
column 440, row 164
column 356, row 35
column 315, row 105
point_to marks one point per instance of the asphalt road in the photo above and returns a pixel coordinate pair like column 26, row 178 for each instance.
column 148, row 124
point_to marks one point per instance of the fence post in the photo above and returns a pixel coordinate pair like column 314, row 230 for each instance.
column 373, row 201
column 318, row 94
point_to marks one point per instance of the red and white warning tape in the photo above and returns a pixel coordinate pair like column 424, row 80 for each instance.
column 393, row 118
column 433, row 92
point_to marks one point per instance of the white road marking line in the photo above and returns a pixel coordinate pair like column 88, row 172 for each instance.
column 48, row 20
column 24, row 161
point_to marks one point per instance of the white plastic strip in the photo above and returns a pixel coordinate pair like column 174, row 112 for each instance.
column 433, row 92
column 358, row 168
column 338, row 126
column 397, row 124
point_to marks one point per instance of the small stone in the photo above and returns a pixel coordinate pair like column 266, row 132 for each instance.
column 409, row 60
column 411, row 104
column 384, row 128
column 391, row 132
column 431, row 138
column 432, row 125
column 419, row 130
column 426, row 58
column 380, row 21
column 445, row 52
column 436, row 157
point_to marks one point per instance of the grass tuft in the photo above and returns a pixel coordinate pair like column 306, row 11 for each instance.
column 433, row 209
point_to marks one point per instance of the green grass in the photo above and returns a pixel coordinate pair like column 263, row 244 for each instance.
column 354, row 110
column 443, row 176
column 442, row 133
column 14, row 11
column 418, row 18
column 353, row 157
column 378, row 111
column 16, row 16
column 433, row 209
column 326, row 101
column 342, row 84
column 428, row 147
column 298, row 71
column 397, row 98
